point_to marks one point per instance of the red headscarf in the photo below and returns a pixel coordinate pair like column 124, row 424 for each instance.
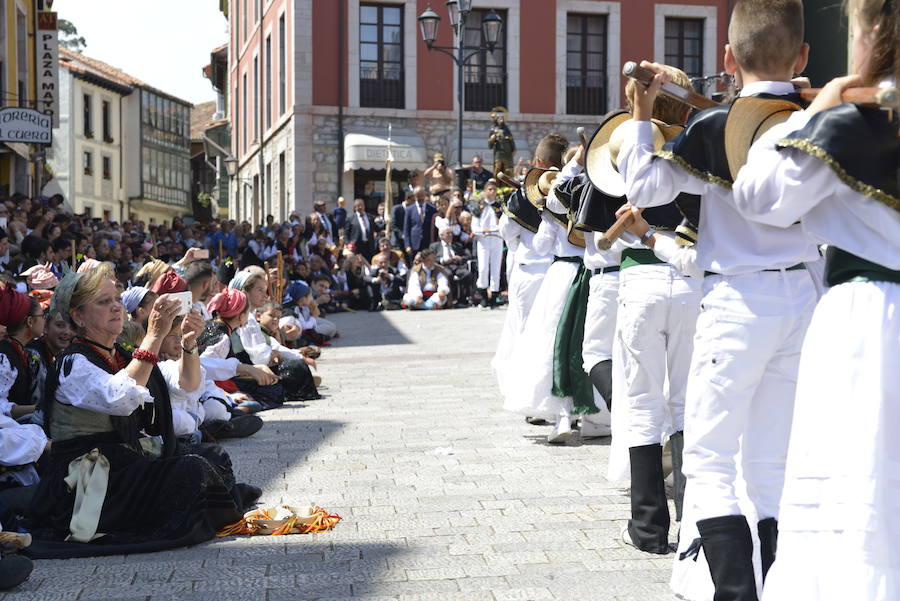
column 43, row 297
column 228, row 303
column 169, row 282
column 14, row 306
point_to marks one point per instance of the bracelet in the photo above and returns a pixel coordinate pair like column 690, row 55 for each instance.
column 145, row 355
column 189, row 352
column 647, row 235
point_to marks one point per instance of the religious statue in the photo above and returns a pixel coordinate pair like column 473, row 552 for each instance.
column 501, row 141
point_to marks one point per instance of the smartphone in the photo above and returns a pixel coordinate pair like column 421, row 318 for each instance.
column 203, row 253
column 186, row 299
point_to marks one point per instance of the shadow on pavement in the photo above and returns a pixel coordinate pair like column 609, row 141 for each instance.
column 366, row 329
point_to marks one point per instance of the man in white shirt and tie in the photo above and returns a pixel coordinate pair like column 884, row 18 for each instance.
column 455, row 260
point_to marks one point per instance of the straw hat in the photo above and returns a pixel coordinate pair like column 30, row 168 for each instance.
column 538, row 183
column 748, row 119
column 602, row 153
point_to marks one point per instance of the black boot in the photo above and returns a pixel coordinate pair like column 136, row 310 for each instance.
column 768, row 543
column 484, row 296
column 649, row 523
column 728, row 548
column 601, row 376
column 677, row 443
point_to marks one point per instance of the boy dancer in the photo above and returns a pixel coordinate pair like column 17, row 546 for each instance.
column 489, row 245
column 757, row 302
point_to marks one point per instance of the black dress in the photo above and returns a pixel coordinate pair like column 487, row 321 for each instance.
column 177, row 499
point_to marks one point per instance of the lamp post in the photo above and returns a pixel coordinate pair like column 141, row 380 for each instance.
column 491, row 27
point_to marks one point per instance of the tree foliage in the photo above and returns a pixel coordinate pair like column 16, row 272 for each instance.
column 68, row 36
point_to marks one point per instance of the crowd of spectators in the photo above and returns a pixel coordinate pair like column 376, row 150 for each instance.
column 129, row 349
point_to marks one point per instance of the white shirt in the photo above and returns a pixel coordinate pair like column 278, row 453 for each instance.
column 486, row 225
column 552, row 240
column 777, row 188
column 727, row 242
column 446, row 252
column 414, row 289
column 258, row 348
column 364, row 225
column 187, row 413
column 87, row 386
column 20, row 444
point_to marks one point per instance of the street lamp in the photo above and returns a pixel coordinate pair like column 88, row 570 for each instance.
column 230, row 166
column 491, row 29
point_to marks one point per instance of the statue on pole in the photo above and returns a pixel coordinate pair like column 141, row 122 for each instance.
column 501, row 141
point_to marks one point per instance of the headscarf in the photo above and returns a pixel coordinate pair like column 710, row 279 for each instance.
column 169, row 282
column 63, row 295
column 43, row 297
column 88, row 265
column 40, row 277
column 239, row 279
column 228, row 303
column 132, row 297
column 14, row 306
column 295, row 291
column 153, row 269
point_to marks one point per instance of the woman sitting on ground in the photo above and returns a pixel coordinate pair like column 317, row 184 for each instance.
column 24, row 320
column 288, row 364
column 230, row 311
column 109, row 415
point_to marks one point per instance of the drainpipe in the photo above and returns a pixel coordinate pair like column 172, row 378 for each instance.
column 341, row 74
column 261, row 111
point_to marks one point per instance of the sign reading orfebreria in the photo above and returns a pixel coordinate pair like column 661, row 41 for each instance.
column 27, row 126
column 47, row 50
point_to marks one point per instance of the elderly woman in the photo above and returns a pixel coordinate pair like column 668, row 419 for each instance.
column 116, row 481
column 287, row 363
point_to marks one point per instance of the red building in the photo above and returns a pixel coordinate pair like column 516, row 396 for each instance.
column 314, row 84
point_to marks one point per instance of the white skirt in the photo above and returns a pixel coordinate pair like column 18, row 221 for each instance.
column 523, row 289
column 839, row 527
column 531, row 375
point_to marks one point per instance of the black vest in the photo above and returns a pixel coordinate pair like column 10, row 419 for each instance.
column 20, row 392
column 521, row 211
column 212, row 333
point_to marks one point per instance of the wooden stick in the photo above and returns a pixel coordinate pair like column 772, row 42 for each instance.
column 74, row 255
column 883, row 97
column 221, row 252
column 615, row 231
column 268, row 279
column 279, row 282
column 689, row 97
column 508, row 180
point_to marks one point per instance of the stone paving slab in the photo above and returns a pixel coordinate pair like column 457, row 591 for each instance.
column 444, row 496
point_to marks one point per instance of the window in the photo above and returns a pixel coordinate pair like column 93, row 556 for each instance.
column 256, row 99
column 282, row 71
column 88, row 160
column 268, row 82
column 586, row 65
column 107, row 121
column 381, row 56
column 684, row 45
column 485, row 73
column 282, row 185
column 88, row 122
column 244, row 115
column 107, row 167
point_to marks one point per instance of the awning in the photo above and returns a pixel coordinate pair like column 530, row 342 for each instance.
column 365, row 151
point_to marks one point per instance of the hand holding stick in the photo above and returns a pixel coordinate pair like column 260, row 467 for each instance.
column 615, row 231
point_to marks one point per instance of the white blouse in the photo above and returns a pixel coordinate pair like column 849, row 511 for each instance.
column 8, row 375
column 84, row 385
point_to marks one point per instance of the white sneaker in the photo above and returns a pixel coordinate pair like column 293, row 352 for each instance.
column 561, row 431
column 592, row 429
column 626, row 537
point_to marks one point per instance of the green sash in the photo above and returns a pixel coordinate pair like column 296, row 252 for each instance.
column 569, row 377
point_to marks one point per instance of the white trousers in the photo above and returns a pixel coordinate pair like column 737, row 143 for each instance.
column 740, row 395
column 325, row 327
column 490, row 259
column 213, row 410
column 600, row 321
column 653, row 342
column 839, row 527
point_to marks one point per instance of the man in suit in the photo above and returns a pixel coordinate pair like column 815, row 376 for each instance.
column 397, row 215
column 327, row 221
column 454, row 258
column 359, row 230
column 417, row 223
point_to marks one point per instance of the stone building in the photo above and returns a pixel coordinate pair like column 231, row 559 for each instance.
column 314, row 84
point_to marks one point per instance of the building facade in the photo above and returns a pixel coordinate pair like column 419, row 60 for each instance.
column 315, row 83
column 87, row 153
column 123, row 147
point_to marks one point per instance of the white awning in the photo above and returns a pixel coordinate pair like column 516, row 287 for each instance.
column 365, row 151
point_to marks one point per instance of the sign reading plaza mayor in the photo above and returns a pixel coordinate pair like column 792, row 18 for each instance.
column 47, row 47
column 24, row 125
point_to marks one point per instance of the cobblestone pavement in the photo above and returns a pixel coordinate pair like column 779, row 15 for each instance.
column 444, row 496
